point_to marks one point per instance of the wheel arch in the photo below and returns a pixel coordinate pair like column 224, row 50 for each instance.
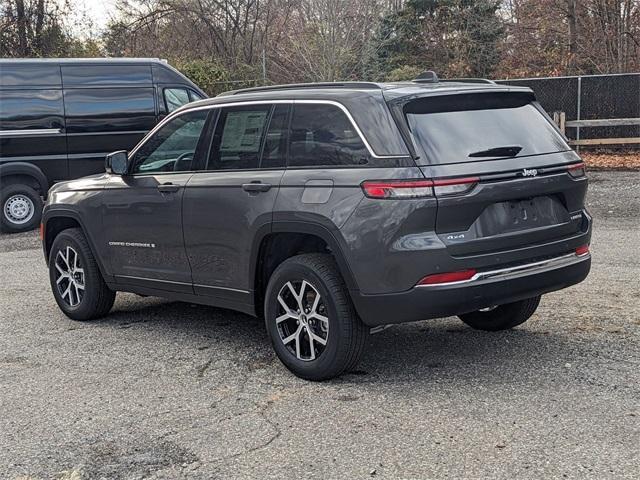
column 319, row 235
column 23, row 169
column 56, row 221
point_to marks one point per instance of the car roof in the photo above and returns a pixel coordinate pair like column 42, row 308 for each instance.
column 97, row 60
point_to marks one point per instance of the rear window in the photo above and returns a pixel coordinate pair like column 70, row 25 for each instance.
column 465, row 128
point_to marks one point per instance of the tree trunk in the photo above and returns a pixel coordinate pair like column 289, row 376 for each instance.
column 573, row 35
column 23, row 49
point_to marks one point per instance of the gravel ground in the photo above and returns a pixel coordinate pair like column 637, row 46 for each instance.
column 166, row 390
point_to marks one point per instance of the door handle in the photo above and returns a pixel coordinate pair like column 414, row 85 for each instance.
column 256, row 186
column 168, row 187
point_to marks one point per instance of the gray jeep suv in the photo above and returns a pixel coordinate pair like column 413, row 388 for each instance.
column 332, row 210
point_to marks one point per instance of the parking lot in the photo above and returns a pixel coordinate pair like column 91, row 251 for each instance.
column 169, row 390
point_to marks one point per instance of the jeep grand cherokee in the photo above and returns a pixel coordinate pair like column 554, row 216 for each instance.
column 331, row 210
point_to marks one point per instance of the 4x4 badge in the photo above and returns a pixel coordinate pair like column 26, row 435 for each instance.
column 529, row 172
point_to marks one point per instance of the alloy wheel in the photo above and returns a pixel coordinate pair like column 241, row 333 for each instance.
column 302, row 321
column 70, row 279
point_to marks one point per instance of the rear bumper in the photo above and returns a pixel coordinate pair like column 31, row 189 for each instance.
column 495, row 287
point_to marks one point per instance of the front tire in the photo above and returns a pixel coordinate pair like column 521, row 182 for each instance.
column 21, row 208
column 502, row 317
column 310, row 318
column 76, row 281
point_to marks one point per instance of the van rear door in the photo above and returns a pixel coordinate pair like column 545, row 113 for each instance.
column 504, row 177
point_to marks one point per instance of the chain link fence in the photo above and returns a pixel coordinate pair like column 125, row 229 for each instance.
column 590, row 97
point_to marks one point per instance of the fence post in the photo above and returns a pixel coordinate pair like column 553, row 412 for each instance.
column 579, row 107
column 560, row 119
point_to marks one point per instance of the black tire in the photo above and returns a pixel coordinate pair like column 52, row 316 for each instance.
column 20, row 196
column 345, row 335
column 503, row 317
column 96, row 299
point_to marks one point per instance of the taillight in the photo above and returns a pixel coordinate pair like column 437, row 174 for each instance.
column 398, row 189
column 449, row 277
column 582, row 250
column 577, row 170
column 41, row 231
column 453, row 186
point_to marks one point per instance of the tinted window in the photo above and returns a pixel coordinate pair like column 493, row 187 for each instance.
column 88, row 74
column 21, row 75
column 109, row 109
column 238, row 136
column 274, row 152
column 464, row 128
column 173, row 147
column 31, row 109
column 175, row 97
column 195, row 96
column 322, row 135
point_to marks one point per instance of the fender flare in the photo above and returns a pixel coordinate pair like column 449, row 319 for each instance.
column 28, row 169
column 329, row 234
column 53, row 213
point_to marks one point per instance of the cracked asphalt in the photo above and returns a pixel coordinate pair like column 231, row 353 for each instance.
column 167, row 390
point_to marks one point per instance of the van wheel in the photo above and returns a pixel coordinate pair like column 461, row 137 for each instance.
column 76, row 281
column 310, row 318
column 502, row 317
column 21, row 208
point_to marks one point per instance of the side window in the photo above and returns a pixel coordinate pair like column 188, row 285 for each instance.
column 173, row 147
column 175, row 98
column 322, row 135
column 238, row 137
column 274, row 152
column 31, row 109
column 193, row 96
column 109, row 109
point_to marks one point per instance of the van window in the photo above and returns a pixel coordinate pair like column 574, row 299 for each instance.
column 94, row 75
column 238, row 137
column 477, row 127
column 31, row 109
column 173, row 147
column 174, row 98
column 322, row 135
column 29, row 75
column 109, row 109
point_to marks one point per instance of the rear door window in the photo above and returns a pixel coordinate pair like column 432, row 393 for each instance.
column 238, row 138
column 477, row 127
column 323, row 136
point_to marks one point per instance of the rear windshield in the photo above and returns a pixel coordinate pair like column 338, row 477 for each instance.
column 477, row 127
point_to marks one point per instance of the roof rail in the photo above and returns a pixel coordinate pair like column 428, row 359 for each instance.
column 469, row 80
column 296, row 86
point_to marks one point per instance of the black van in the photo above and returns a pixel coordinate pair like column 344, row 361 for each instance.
column 60, row 117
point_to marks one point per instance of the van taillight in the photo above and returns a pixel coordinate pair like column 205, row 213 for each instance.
column 41, row 232
column 398, row 189
column 577, row 170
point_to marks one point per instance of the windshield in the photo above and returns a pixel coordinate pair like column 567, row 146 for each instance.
column 477, row 127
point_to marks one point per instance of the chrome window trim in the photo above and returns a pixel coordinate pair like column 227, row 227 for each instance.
column 334, row 103
column 518, row 270
column 33, row 132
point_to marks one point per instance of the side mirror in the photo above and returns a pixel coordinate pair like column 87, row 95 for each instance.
column 117, row 163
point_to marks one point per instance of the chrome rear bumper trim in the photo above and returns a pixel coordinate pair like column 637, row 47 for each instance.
column 518, row 270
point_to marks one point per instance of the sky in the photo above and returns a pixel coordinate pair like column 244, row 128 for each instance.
column 98, row 10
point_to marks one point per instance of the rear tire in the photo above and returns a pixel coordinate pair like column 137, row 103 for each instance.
column 502, row 317
column 76, row 281
column 311, row 320
column 21, row 208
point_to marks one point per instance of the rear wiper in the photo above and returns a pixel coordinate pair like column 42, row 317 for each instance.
column 508, row 151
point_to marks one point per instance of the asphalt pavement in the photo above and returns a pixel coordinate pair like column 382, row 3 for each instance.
column 168, row 390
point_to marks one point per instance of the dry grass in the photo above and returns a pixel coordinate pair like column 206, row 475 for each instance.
column 611, row 161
